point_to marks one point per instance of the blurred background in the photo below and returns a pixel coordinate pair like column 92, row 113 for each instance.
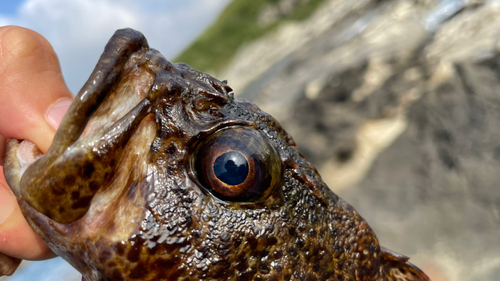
column 396, row 102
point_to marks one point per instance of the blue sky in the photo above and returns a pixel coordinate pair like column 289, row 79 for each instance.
column 79, row 29
column 9, row 7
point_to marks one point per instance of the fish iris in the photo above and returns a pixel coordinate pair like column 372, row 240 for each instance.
column 237, row 164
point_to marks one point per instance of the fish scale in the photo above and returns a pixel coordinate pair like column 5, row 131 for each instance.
column 120, row 195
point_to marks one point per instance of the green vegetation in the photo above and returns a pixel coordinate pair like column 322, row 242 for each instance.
column 237, row 25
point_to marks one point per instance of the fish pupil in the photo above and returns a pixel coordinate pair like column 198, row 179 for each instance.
column 231, row 168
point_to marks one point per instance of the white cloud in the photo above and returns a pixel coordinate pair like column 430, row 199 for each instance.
column 79, row 29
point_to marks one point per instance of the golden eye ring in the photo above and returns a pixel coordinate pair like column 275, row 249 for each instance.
column 237, row 164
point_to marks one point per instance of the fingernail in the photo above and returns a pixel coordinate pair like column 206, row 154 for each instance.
column 56, row 112
column 7, row 204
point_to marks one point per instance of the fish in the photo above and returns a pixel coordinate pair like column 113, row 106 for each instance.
column 158, row 172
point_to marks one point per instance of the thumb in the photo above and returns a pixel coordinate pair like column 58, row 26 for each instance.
column 33, row 94
column 33, row 100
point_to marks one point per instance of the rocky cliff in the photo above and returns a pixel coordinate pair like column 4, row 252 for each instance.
column 398, row 105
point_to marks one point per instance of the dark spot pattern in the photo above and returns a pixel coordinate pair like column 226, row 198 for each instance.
column 125, row 216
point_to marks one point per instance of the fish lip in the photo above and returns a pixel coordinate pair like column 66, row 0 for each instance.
column 120, row 48
column 122, row 45
column 49, row 172
column 15, row 164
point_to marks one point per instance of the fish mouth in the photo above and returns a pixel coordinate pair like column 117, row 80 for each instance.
column 113, row 105
column 98, row 86
column 98, row 120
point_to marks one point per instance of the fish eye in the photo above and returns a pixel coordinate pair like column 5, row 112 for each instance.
column 237, row 164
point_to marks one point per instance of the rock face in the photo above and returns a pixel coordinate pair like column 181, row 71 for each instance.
column 398, row 105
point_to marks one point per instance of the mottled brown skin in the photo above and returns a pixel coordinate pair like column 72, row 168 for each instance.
column 116, row 195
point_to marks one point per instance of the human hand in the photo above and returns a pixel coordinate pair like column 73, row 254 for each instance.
column 33, row 100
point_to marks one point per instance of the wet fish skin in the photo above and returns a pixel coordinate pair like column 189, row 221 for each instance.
column 124, row 192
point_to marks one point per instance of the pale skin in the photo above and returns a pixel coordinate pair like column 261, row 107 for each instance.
column 33, row 100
